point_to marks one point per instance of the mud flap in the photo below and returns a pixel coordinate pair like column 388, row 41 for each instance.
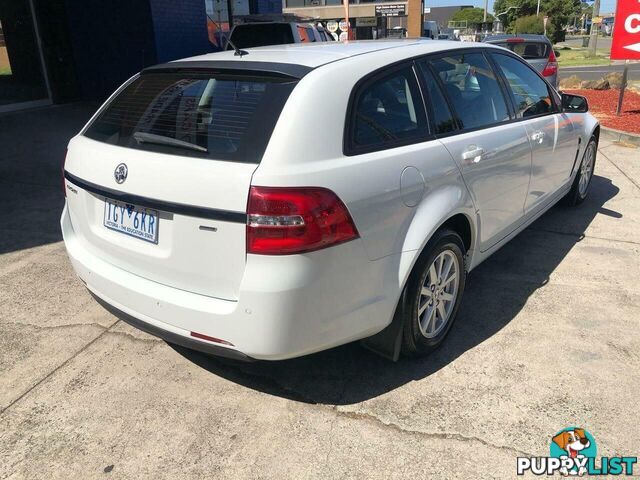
column 388, row 342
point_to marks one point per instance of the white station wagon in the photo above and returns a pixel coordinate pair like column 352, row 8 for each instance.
column 278, row 201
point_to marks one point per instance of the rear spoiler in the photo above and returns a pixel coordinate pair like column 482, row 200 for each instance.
column 243, row 67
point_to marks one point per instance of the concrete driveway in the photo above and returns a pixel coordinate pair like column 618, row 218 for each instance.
column 548, row 337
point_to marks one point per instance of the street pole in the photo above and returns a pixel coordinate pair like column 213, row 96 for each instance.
column 625, row 73
column 594, row 31
column 486, row 5
column 538, row 9
column 346, row 18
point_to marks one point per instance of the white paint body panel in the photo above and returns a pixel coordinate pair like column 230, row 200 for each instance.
column 276, row 307
column 186, row 257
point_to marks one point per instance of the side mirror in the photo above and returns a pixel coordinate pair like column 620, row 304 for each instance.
column 556, row 52
column 574, row 103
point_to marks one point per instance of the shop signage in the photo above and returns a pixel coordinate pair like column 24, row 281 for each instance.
column 366, row 21
column 391, row 10
column 626, row 31
column 332, row 26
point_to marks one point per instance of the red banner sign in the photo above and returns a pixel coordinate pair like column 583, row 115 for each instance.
column 626, row 31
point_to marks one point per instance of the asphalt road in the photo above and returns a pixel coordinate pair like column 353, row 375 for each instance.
column 547, row 337
column 576, row 42
column 596, row 72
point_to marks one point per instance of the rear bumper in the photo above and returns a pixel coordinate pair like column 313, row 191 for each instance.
column 171, row 337
column 288, row 306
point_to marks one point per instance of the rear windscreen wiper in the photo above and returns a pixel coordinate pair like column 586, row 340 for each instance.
column 143, row 137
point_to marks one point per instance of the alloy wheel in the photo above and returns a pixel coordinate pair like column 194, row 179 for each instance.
column 586, row 170
column 438, row 293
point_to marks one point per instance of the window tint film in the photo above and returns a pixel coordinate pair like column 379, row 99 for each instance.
column 389, row 110
column 530, row 93
column 259, row 35
column 528, row 50
column 473, row 90
column 442, row 117
column 310, row 35
column 220, row 116
column 304, row 37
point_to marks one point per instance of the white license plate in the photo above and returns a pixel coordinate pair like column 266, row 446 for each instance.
column 131, row 220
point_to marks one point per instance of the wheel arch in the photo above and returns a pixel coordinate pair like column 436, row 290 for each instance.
column 596, row 133
column 460, row 224
column 387, row 342
column 463, row 220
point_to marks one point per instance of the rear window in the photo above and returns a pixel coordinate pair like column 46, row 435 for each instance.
column 528, row 50
column 260, row 35
column 213, row 115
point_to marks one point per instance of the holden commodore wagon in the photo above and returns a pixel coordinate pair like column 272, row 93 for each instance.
column 282, row 200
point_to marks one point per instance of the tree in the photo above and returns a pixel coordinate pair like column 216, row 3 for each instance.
column 558, row 11
column 523, row 8
column 534, row 24
column 529, row 24
column 473, row 16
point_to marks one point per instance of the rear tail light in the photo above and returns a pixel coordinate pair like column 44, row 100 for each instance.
column 552, row 65
column 515, row 40
column 288, row 220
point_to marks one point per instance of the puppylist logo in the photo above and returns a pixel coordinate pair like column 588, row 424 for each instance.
column 573, row 452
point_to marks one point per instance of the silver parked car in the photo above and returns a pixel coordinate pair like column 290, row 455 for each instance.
column 535, row 49
column 206, row 205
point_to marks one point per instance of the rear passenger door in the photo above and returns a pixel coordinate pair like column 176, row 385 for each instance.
column 392, row 157
column 553, row 138
column 492, row 152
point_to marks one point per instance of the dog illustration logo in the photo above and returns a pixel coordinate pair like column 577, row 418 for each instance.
column 572, row 452
column 576, row 444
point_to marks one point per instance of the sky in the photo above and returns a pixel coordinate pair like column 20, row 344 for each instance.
column 606, row 6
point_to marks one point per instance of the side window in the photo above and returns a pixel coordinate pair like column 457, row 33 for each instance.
column 442, row 118
column 388, row 112
column 473, row 90
column 303, row 34
column 531, row 95
column 310, row 35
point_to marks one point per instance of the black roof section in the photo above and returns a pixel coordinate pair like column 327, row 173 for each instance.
column 525, row 36
column 229, row 66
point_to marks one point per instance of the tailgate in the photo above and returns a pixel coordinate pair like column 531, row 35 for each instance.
column 158, row 182
column 200, row 227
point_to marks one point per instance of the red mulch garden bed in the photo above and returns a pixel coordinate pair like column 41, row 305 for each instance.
column 603, row 103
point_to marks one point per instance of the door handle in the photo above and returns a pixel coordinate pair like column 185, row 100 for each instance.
column 538, row 136
column 473, row 153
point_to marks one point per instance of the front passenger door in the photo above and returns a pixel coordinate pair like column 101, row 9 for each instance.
column 553, row 138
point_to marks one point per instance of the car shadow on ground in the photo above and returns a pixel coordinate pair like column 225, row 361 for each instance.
column 496, row 291
column 32, row 149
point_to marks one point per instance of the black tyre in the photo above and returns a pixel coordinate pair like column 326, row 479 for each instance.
column 433, row 294
column 582, row 182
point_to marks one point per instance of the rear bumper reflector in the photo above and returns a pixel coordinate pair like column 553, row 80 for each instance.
column 174, row 338
column 210, row 339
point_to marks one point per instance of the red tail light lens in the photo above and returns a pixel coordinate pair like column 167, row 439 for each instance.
column 288, row 220
column 552, row 65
